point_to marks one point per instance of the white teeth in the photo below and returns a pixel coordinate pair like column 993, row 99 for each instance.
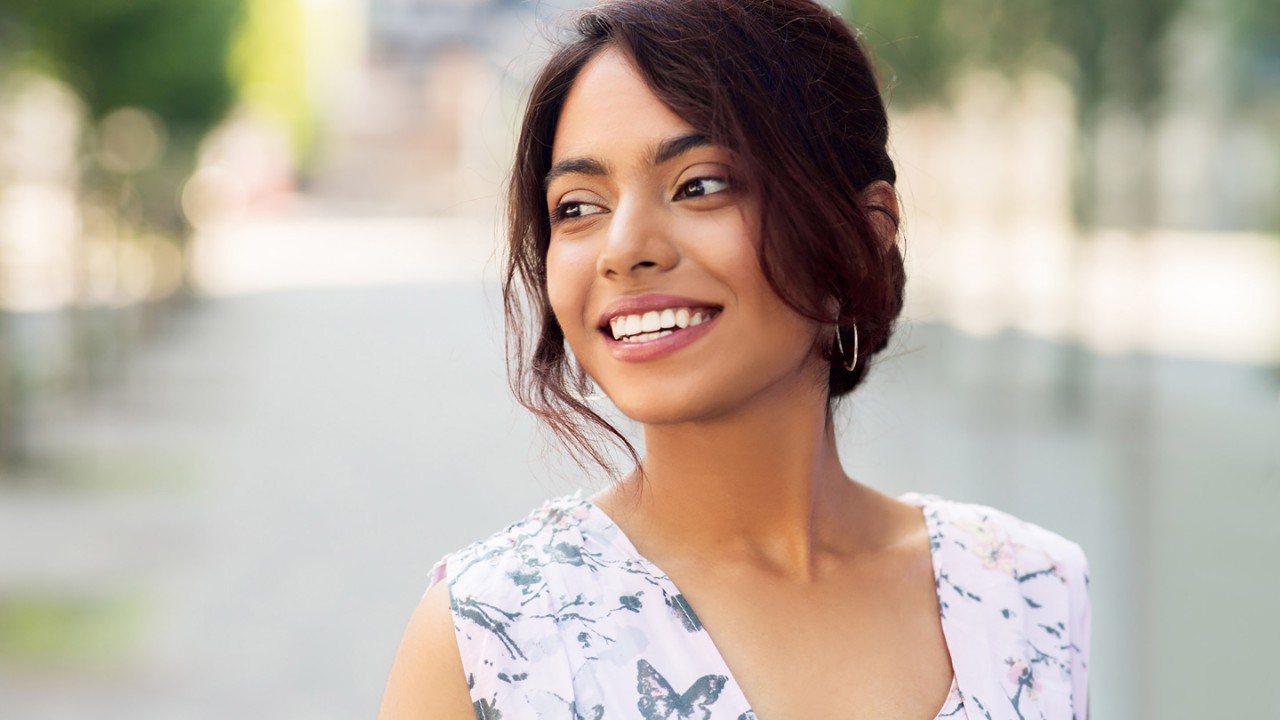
column 656, row 323
column 646, row 337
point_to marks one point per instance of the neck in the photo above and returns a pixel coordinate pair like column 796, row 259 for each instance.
column 762, row 485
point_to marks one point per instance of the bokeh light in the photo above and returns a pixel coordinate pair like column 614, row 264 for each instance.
column 130, row 139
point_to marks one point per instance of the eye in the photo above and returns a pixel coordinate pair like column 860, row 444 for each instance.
column 698, row 187
column 574, row 209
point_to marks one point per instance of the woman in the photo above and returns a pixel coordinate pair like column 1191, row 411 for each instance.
column 702, row 210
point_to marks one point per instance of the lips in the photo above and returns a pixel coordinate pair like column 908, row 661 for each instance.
column 659, row 344
column 641, row 304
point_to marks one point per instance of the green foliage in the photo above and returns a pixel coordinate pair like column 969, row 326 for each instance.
column 1108, row 49
column 1116, row 50
column 1255, row 28
column 169, row 57
column 921, row 45
column 907, row 42
column 61, row 632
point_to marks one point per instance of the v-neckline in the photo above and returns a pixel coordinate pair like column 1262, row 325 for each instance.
column 615, row 535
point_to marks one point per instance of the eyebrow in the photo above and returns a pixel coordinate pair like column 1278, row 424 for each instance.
column 573, row 166
column 663, row 152
column 673, row 148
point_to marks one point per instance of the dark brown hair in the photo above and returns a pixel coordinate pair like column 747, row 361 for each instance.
column 784, row 85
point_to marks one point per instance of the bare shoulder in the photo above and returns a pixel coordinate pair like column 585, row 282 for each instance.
column 427, row 679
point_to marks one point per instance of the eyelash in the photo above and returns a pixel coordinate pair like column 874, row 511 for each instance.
column 699, row 181
column 561, row 212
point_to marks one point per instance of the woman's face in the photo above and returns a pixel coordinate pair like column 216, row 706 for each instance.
column 649, row 235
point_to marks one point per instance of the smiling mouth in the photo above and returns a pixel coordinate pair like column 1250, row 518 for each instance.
column 644, row 327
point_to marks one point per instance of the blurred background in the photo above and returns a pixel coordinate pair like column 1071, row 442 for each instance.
column 251, row 380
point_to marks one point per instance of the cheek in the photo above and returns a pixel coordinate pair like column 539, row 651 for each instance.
column 780, row 329
column 723, row 245
column 733, row 259
column 568, row 282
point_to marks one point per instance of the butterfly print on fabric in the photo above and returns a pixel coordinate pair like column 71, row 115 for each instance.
column 660, row 701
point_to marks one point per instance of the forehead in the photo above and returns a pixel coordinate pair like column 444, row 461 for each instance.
column 610, row 111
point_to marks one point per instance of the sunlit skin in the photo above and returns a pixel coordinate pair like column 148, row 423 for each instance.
column 817, row 589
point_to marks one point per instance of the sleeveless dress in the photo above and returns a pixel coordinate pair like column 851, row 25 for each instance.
column 559, row 616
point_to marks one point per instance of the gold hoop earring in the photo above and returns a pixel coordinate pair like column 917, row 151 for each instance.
column 850, row 364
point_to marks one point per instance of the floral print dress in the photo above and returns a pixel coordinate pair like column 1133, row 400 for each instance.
column 559, row 616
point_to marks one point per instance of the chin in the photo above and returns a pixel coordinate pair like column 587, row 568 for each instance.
column 664, row 407
column 648, row 412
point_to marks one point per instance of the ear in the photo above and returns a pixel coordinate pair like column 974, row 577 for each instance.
column 881, row 201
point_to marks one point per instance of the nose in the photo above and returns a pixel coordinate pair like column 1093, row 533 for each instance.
column 639, row 237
